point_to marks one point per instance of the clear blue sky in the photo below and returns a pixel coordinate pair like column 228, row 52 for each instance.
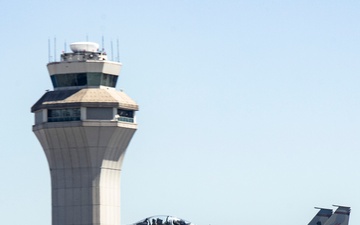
column 249, row 110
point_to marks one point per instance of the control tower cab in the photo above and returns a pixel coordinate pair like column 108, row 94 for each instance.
column 84, row 126
column 84, row 67
column 84, row 89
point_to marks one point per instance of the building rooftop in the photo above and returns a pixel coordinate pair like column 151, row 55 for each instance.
column 87, row 97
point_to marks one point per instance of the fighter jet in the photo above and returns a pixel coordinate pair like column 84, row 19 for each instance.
column 327, row 217
column 163, row 220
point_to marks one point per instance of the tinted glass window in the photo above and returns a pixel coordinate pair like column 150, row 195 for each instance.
column 93, row 79
column 126, row 115
column 59, row 115
column 54, row 82
column 105, row 80
column 112, row 80
column 83, row 79
column 65, row 80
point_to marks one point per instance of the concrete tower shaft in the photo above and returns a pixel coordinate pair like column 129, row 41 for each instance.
column 84, row 127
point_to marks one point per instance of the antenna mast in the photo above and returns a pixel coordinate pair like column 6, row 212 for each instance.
column 49, row 54
column 117, row 49
column 54, row 49
column 112, row 52
column 102, row 43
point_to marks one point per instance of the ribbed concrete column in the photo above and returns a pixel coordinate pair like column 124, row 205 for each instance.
column 85, row 160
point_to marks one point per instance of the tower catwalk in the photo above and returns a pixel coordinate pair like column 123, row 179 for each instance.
column 84, row 126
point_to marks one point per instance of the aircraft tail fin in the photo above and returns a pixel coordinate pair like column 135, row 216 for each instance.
column 321, row 217
column 340, row 216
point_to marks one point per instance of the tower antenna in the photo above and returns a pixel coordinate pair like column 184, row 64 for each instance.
column 117, row 49
column 102, row 43
column 54, row 49
column 65, row 46
column 87, row 37
column 112, row 52
column 49, row 49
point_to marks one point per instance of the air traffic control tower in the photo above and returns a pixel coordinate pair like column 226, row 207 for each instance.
column 84, row 126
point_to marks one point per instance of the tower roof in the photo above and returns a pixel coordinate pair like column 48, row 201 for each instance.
column 88, row 97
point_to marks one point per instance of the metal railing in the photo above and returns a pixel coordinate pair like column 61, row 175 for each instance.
column 126, row 119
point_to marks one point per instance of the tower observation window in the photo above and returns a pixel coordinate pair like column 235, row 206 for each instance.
column 61, row 115
column 83, row 79
column 126, row 115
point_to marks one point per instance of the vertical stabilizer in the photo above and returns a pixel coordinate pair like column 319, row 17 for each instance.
column 321, row 217
column 340, row 217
